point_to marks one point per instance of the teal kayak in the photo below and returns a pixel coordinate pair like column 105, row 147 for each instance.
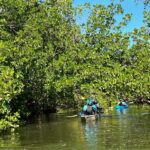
column 121, row 107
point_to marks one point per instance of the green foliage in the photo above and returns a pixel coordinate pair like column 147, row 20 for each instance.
column 10, row 86
column 9, row 121
column 48, row 61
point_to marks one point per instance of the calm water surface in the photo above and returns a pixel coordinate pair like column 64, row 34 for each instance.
column 123, row 130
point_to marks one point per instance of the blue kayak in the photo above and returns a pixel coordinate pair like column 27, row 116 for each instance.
column 122, row 107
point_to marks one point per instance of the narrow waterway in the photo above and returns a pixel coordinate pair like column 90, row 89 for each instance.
column 123, row 130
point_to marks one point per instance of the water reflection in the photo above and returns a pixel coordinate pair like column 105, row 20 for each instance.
column 121, row 111
column 125, row 129
column 10, row 140
column 91, row 132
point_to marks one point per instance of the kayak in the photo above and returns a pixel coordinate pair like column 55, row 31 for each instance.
column 89, row 117
column 121, row 107
column 73, row 116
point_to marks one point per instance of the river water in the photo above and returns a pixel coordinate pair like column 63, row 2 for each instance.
column 125, row 130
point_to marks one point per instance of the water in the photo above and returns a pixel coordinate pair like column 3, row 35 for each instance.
column 123, row 130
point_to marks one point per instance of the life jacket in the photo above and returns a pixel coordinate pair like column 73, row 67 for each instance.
column 85, row 107
column 89, row 109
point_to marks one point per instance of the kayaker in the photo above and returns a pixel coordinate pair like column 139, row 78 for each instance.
column 122, row 103
column 87, row 108
column 92, row 107
column 97, row 105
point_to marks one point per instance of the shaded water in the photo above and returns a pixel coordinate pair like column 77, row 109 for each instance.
column 123, row 130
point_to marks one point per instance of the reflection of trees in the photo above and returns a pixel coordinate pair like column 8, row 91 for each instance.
column 116, row 130
column 125, row 131
column 10, row 140
column 58, row 133
column 130, row 131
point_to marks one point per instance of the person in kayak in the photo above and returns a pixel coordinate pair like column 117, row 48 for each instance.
column 97, row 105
column 122, row 103
column 87, row 108
column 92, row 107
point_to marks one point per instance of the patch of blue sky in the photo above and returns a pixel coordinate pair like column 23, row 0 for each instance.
column 129, row 6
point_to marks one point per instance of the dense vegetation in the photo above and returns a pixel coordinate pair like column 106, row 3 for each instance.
column 48, row 61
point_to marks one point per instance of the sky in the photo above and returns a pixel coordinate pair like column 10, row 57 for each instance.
column 129, row 7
